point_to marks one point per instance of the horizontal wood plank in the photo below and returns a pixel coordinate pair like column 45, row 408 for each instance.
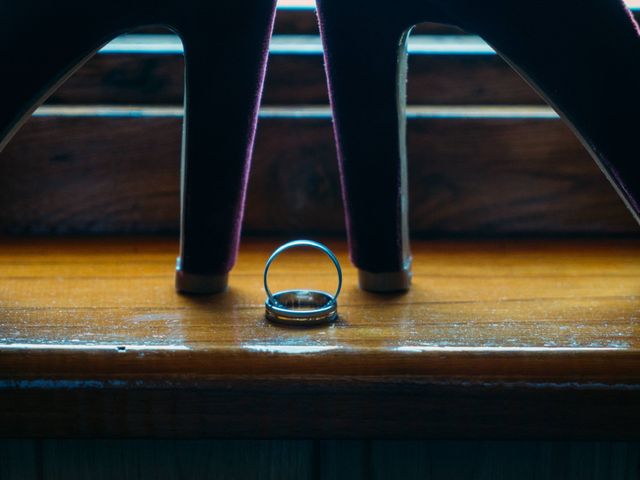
column 101, row 174
column 296, row 21
column 94, row 341
column 157, row 79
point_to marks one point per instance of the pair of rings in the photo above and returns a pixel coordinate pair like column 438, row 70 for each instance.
column 302, row 307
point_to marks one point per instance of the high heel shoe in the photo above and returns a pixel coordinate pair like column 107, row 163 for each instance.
column 42, row 43
column 582, row 56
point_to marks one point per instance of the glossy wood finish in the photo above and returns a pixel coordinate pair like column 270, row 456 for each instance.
column 126, row 171
column 502, row 339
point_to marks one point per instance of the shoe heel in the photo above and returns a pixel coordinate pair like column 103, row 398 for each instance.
column 583, row 58
column 38, row 56
column 366, row 72
column 225, row 66
column 226, row 46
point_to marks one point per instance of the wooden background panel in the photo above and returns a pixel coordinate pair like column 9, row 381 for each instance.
column 157, row 79
column 508, row 177
column 85, row 175
column 466, row 79
column 296, row 22
column 139, row 79
column 468, row 177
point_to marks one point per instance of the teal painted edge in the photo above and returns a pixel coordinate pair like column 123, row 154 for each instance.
column 168, row 44
column 479, row 112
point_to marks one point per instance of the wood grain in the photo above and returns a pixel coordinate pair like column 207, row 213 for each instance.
column 295, row 80
column 507, row 339
column 296, row 22
column 125, row 79
column 467, row 177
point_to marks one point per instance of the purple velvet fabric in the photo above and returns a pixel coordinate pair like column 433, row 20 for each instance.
column 224, row 82
column 583, row 56
column 226, row 48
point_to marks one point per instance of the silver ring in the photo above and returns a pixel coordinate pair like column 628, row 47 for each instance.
column 302, row 307
column 310, row 307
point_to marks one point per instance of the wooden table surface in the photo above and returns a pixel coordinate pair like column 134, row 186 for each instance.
column 499, row 339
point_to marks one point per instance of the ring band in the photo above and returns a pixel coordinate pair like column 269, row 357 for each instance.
column 302, row 243
column 302, row 307
column 321, row 308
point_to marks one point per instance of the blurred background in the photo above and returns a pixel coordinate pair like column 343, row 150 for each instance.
column 487, row 156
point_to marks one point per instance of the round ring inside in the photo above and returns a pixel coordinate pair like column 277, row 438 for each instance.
column 301, row 243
